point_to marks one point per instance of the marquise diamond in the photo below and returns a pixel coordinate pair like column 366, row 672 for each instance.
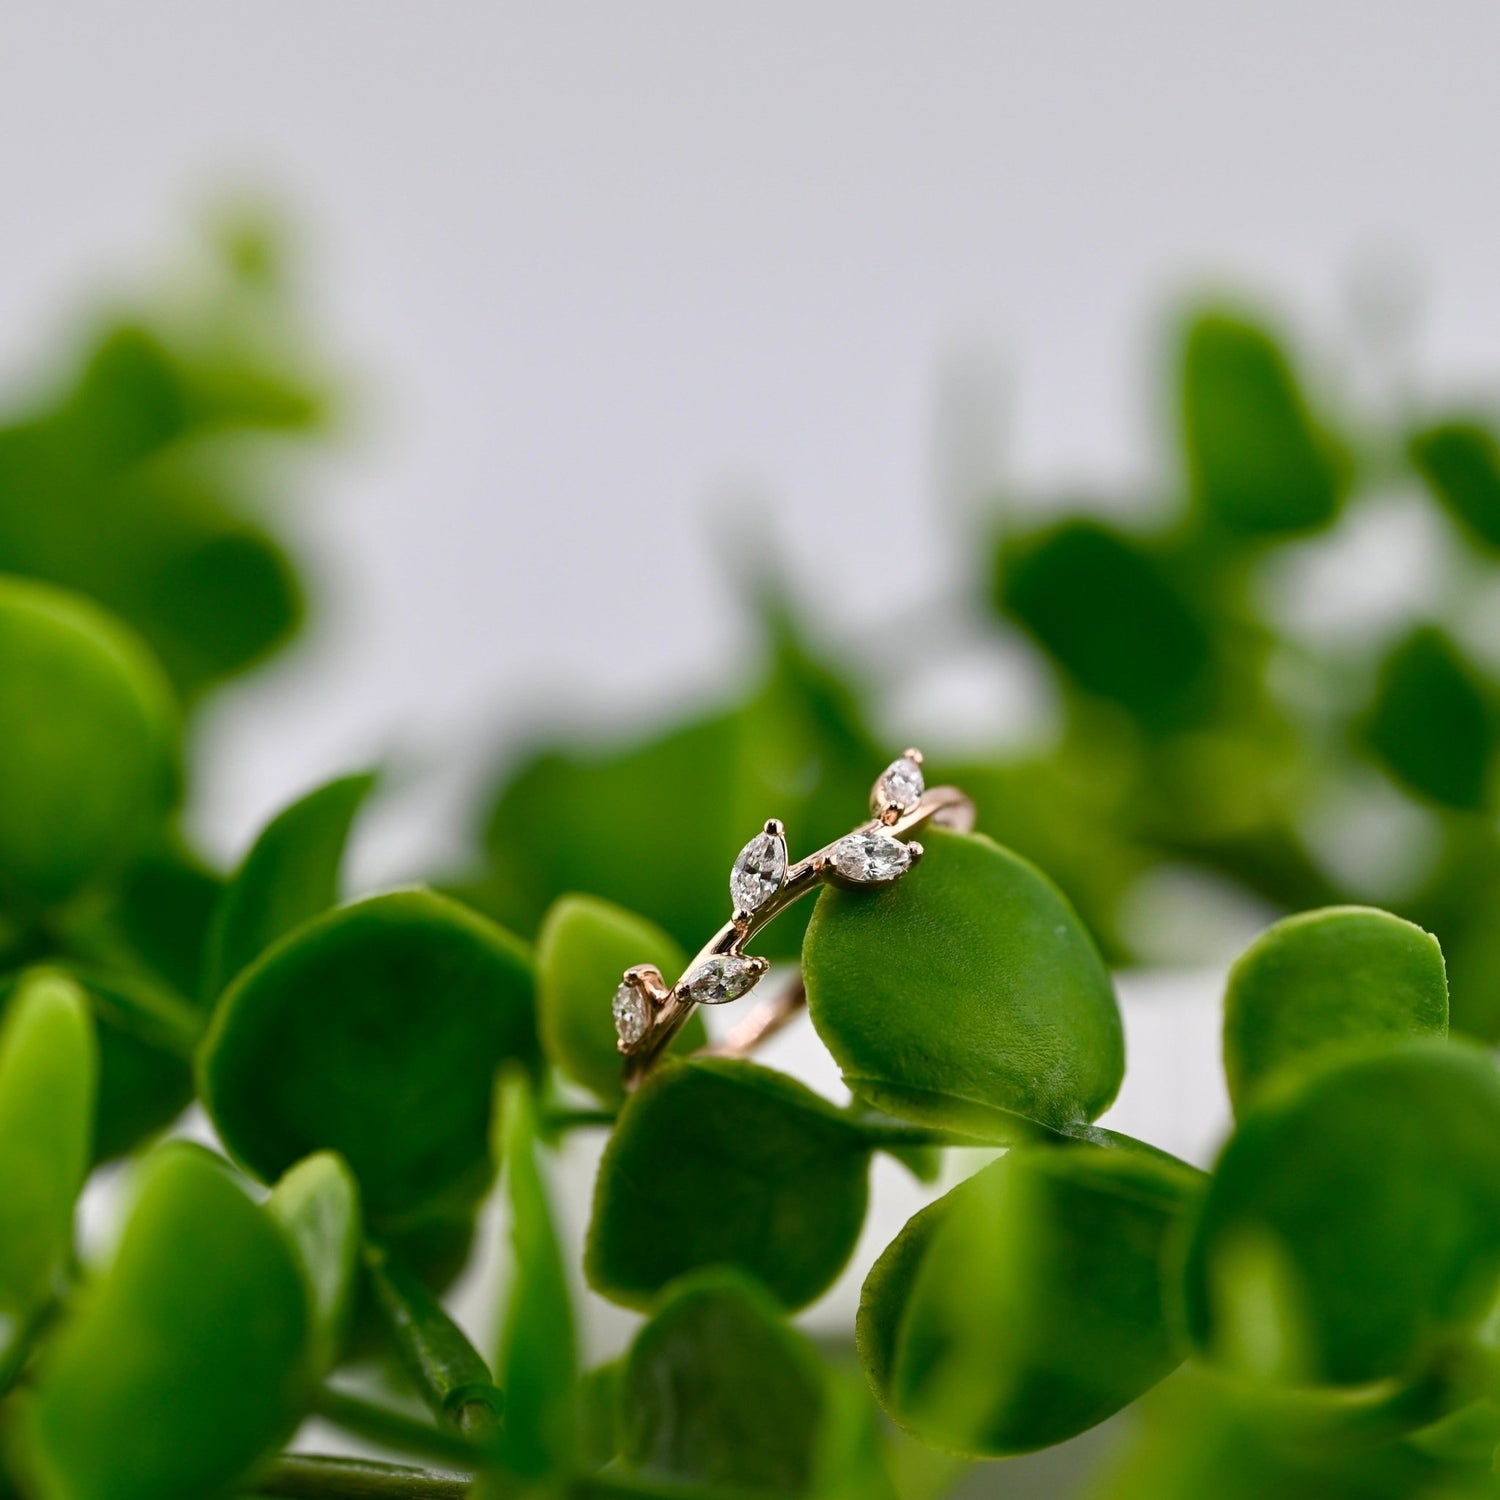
column 632, row 1014
column 725, row 977
column 870, row 858
column 758, row 872
column 901, row 786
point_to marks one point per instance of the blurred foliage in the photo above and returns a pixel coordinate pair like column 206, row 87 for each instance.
column 1319, row 1312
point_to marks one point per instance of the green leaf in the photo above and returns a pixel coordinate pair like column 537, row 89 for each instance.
column 290, row 875
column 317, row 1205
column 448, row 1372
column 1025, row 1306
column 584, row 947
column 1433, row 720
column 655, row 826
column 1256, row 462
column 87, row 729
column 718, row 1391
column 720, row 1162
column 1461, row 466
column 967, row 995
column 1352, row 1226
column 538, row 1363
column 48, row 1072
column 1347, row 974
column 1111, row 617
column 374, row 1031
column 186, row 1363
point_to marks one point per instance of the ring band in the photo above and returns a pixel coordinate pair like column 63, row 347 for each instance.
column 649, row 1012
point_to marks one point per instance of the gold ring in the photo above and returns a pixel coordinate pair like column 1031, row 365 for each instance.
column 649, row 1012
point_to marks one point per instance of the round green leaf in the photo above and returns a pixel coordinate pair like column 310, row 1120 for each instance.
column 48, row 1071
column 1353, row 1220
column 1111, row 617
column 290, row 875
column 717, row 1391
column 1433, row 721
column 186, row 1363
column 1255, row 459
column 86, row 743
column 967, row 995
column 375, row 1031
column 317, row 1205
column 585, row 945
column 1461, row 464
column 721, row 1162
column 1025, row 1306
column 1328, row 978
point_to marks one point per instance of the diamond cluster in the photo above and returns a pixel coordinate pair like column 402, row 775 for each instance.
column 869, row 856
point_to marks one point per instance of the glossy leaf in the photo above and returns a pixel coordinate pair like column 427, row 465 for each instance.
column 967, row 995
column 290, row 875
column 374, row 1031
column 86, row 743
column 538, row 1363
column 186, row 1363
column 1348, row 974
column 585, row 945
column 720, row 1162
column 1433, row 720
column 1256, row 462
column 48, row 1073
column 719, row 1393
column 1352, row 1226
column 1110, row 615
column 317, row 1205
column 1026, row 1305
column 1461, row 466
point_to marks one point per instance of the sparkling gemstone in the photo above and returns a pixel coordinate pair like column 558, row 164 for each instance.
column 870, row 857
column 725, row 977
column 900, row 785
column 758, row 872
column 632, row 1014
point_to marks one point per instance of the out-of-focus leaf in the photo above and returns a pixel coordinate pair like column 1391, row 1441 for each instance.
column 721, row 1162
column 655, row 827
column 538, row 1363
column 374, row 1031
column 1256, row 462
column 317, row 1204
column 445, row 1367
column 290, row 875
column 185, row 1364
column 48, row 1072
column 1110, row 615
column 87, row 732
column 1204, row 1441
column 582, row 951
column 1461, row 465
column 1433, row 720
column 719, row 1393
column 1352, row 1226
column 1348, row 974
column 966, row 995
column 1026, row 1305
column 155, row 917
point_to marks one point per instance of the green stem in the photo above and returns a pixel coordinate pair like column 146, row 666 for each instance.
column 555, row 1122
column 446, row 1368
column 310, row 1477
column 392, row 1429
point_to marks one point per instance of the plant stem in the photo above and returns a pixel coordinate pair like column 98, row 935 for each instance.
column 310, row 1477
column 555, row 1121
column 392, row 1429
